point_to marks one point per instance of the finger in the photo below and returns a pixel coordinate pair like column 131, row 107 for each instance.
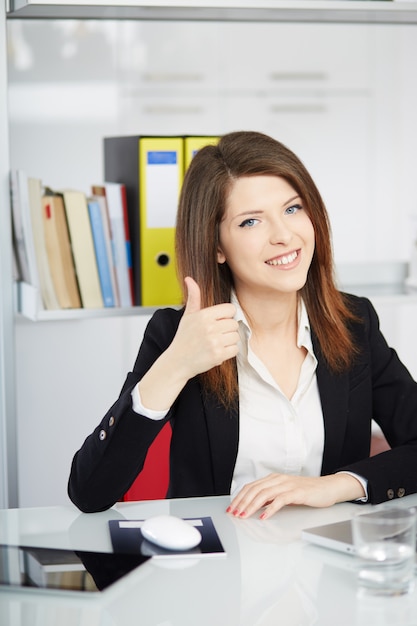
column 255, row 502
column 240, row 503
column 193, row 303
column 266, row 504
column 269, row 511
column 286, row 498
column 258, row 494
column 228, row 328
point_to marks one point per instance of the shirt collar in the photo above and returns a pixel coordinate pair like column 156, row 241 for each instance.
column 304, row 331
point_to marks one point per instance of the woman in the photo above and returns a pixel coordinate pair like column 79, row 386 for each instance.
column 269, row 376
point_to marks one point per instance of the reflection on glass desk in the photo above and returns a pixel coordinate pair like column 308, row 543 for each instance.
column 269, row 576
column 58, row 569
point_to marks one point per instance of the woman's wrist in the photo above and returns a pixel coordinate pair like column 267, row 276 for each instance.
column 162, row 383
column 348, row 487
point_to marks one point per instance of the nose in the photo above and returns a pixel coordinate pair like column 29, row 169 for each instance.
column 280, row 233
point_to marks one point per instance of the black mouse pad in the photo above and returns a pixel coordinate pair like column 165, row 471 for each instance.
column 126, row 537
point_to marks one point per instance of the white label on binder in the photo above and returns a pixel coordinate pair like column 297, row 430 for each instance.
column 161, row 188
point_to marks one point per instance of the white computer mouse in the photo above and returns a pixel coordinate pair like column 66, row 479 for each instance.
column 173, row 533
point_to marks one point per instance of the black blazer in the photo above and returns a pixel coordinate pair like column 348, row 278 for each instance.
column 205, row 437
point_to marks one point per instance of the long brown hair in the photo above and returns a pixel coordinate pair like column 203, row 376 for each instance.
column 201, row 208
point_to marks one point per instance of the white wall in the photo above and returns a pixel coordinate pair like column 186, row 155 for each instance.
column 342, row 96
column 68, row 374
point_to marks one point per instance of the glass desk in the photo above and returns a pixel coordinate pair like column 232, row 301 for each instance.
column 270, row 577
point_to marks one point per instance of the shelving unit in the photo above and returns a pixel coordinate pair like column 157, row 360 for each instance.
column 326, row 11
column 8, row 461
column 43, row 315
column 353, row 11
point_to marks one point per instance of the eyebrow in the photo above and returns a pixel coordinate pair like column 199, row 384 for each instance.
column 292, row 199
column 260, row 211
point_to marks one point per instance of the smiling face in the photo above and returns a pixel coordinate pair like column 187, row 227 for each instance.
column 266, row 236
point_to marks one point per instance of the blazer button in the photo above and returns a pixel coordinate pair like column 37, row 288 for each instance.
column 102, row 435
column 111, row 421
column 401, row 492
column 390, row 494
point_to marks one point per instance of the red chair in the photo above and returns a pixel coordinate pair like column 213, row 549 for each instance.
column 152, row 482
column 378, row 444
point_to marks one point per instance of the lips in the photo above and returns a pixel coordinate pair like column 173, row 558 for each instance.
column 285, row 259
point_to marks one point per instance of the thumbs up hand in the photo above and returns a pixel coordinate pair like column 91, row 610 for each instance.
column 205, row 337
column 193, row 303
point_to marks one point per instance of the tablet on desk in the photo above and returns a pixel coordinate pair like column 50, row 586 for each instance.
column 53, row 569
column 336, row 536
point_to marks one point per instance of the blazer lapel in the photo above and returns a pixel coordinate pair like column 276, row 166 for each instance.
column 333, row 389
column 223, row 435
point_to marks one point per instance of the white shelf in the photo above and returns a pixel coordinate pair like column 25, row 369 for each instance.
column 84, row 314
column 353, row 11
column 392, row 294
column 382, row 282
column 28, row 306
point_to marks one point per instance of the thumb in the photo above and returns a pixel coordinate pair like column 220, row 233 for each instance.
column 193, row 303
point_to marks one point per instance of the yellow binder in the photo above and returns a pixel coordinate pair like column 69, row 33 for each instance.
column 193, row 143
column 160, row 174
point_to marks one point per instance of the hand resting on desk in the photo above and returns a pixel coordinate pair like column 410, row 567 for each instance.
column 278, row 490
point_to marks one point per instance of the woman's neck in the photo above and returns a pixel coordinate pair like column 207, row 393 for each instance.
column 271, row 314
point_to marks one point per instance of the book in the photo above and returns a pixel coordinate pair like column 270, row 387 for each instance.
column 46, row 284
column 58, row 249
column 115, row 197
column 126, row 538
column 44, row 563
column 108, row 237
column 22, row 228
column 15, row 264
column 101, row 247
column 128, row 243
column 76, row 210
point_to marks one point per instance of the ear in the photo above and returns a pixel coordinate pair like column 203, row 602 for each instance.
column 220, row 256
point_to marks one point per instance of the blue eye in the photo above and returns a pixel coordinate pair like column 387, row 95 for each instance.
column 293, row 209
column 251, row 221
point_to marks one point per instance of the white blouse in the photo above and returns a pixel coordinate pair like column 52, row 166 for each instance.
column 277, row 434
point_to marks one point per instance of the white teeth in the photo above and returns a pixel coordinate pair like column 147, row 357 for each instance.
column 284, row 260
